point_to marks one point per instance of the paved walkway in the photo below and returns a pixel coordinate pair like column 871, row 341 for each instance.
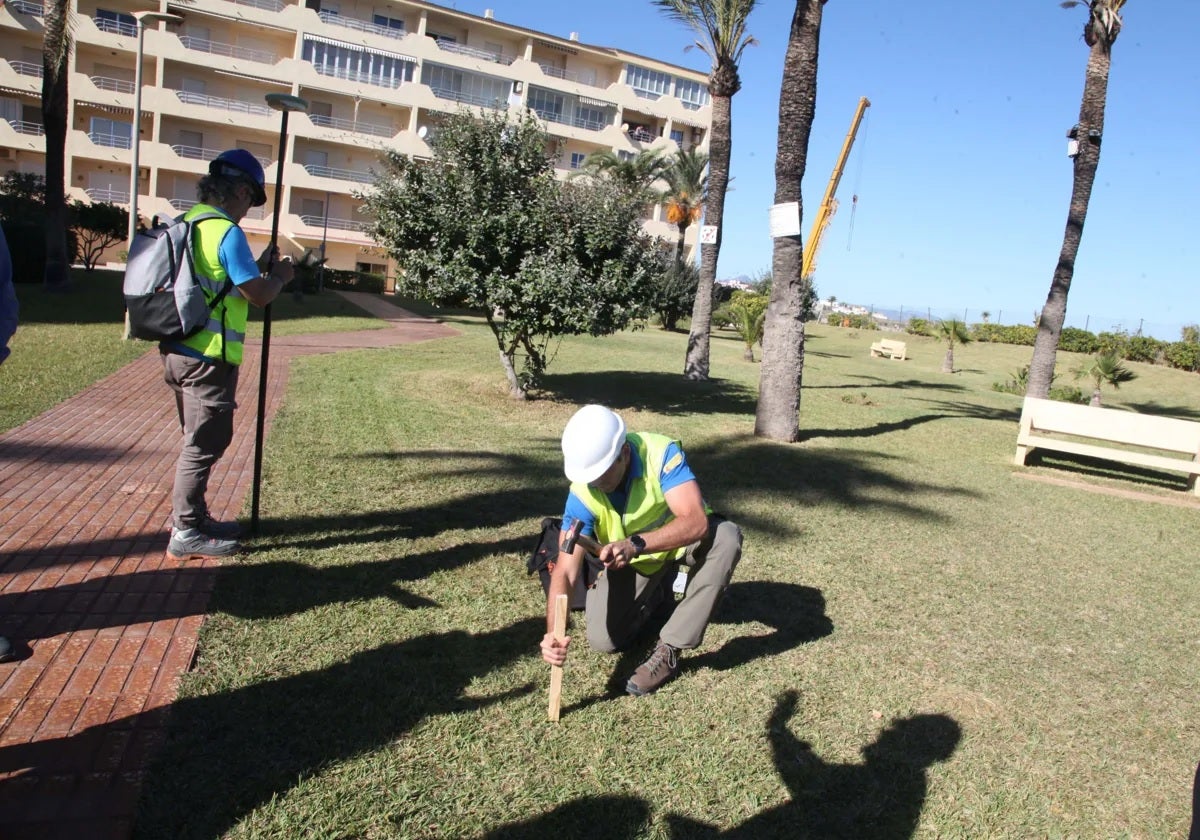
column 110, row 624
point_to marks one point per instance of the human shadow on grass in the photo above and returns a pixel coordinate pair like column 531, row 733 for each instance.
column 229, row 753
column 588, row 818
column 880, row 798
column 243, row 589
column 795, row 614
column 663, row 393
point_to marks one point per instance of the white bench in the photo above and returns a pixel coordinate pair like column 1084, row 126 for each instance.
column 897, row 351
column 1041, row 418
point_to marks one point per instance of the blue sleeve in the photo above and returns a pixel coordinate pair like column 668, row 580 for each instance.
column 235, row 256
column 577, row 510
column 8, row 298
column 675, row 469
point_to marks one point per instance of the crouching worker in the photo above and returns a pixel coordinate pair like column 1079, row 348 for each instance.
column 636, row 495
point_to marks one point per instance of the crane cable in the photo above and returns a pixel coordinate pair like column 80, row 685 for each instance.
column 858, row 176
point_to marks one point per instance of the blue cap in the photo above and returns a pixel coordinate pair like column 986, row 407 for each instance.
column 240, row 163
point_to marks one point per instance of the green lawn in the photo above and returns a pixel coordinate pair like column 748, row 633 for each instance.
column 919, row 641
column 65, row 342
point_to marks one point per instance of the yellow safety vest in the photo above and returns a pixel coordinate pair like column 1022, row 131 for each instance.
column 646, row 507
column 224, row 336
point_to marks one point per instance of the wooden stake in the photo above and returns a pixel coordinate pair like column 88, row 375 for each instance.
column 556, row 671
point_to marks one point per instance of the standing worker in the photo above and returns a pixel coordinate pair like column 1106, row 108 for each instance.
column 203, row 370
column 8, row 327
column 635, row 493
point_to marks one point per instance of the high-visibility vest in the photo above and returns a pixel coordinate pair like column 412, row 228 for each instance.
column 224, row 336
column 646, row 507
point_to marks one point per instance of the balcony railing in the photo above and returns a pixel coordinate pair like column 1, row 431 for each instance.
column 114, row 141
column 559, row 73
column 358, row 176
column 197, row 153
column 183, row 204
column 334, row 19
column 334, row 224
column 116, row 27
column 268, row 5
column 474, row 52
column 25, row 127
column 107, row 194
column 358, row 76
column 236, row 105
column 27, row 8
column 357, row 126
column 118, row 85
column 227, row 50
column 26, row 68
column 469, row 98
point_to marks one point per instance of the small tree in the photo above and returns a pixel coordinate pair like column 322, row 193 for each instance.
column 952, row 330
column 675, row 292
column 749, row 311
column 1104, row 369
column 97, row 227
column 485, row 225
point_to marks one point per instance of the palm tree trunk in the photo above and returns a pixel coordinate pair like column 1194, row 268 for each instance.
column 1054, row 313
column 679, row 245
column 695, row 366
column 778, row 413
column 56, row 52
column 948, row 360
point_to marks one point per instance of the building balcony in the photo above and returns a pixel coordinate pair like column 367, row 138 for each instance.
column 116, row 27
column 219, row 102
column 357, row 176
column 227, row 50
column 110, row 195
column 26, row 127
column 27, row 8
column 265, row 5
column 196, row 153
column 112, row 141
column 331, row 223
column 469, row 98
column 26, row 68
column 115, row 85
column 357, row 76
column 355, row 126
column 474, row 52
column 335, row 19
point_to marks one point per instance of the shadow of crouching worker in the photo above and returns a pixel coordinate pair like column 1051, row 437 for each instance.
column 880, row 798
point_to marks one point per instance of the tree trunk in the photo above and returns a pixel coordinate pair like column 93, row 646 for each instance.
column 679, row 244
column 778, row 413
column 1054, row 313
column 948, row 361
column 56, row 50
column 748, row 353
column 695, row 366
column 1096, row 398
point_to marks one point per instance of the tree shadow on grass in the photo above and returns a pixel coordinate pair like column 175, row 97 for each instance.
column 663, row 393
column 1182, row 412
column 947, row 411
column 1086, row 465
column 881, row 798
column 880, row 382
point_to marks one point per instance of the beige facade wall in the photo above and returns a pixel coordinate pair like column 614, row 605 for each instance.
column 376, row 74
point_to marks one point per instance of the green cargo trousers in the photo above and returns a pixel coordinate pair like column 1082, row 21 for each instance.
column 622, row 601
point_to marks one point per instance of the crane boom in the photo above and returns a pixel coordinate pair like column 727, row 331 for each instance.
column 829, row 203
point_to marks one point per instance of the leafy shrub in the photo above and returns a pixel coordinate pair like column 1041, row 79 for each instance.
column 1075, row 340
column 355, row 281
column 1019, row 383
column 854, row 322
column 918, row 326
column 1113, row 342
column 1143, row 348
column 1184, row 355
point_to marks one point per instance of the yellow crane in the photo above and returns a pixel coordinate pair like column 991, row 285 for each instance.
column 829, row 203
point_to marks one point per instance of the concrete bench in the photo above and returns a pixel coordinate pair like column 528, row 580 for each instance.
column 897, row 351
column 1101, row 427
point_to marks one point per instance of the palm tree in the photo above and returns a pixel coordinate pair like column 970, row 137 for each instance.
column 1099, row 33
column 720, row 27
column 952, row 330
column 777, row 415
column 634, row 175
column 684, row 197
column 749, row 315
column 1105, row 369
column 56, row 51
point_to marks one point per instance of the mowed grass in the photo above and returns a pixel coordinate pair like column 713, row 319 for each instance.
column 66, row 342
column 918, row 641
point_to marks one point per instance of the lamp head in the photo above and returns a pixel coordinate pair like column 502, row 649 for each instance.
column 286, row 102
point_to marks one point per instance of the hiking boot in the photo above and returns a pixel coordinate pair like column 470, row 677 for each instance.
column 193, row 544
column 7, row 653
column 220, row 530
column 660, row 668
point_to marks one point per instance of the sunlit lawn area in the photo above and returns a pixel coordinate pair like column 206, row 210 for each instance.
column 919, row 640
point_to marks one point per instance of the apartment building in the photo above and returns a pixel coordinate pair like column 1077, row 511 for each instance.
column 376, row 74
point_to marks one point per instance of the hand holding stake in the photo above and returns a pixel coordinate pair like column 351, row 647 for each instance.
column 556, row 671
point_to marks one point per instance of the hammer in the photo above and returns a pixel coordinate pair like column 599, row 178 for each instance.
column 575, row 537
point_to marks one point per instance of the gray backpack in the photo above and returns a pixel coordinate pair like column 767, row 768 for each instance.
column 164, row 301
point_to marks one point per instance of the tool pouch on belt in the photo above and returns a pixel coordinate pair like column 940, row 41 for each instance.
column 544, row 555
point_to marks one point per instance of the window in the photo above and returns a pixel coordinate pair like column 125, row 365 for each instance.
column 693, row 95
column 357, row 64
column 546, row 104
column 262, row 151
column 449, row 83
column 677, row 137
column 590, row 117
column 624, row 155
column 577, row 159
column 312, row 157
column 647, row 83
column 389, row 22
column 116, row 22
column 107, row 132
column 320, row 109
column 192, row 140
column 312, row 207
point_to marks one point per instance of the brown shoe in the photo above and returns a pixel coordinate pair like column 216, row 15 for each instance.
column 655, row 672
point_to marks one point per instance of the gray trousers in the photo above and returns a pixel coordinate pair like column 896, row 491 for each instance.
column 204, row 399
column 622, row 601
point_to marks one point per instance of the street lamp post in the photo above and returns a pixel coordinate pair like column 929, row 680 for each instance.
column 142, row 18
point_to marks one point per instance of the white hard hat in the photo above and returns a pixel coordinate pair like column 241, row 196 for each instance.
column 591, row 442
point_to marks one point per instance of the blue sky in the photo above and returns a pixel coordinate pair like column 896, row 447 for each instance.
column 960, row 166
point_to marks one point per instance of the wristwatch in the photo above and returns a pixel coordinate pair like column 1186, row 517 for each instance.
column 639, row 544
